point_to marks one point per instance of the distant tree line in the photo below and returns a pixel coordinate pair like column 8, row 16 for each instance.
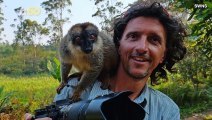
column 25, row 60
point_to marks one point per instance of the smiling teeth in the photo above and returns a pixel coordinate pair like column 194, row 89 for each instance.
column 139, row 59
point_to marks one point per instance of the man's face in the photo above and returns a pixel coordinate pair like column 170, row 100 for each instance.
column 142, row 46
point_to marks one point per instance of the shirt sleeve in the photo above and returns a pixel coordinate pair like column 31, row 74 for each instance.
column 161, row 107
column 172, row 113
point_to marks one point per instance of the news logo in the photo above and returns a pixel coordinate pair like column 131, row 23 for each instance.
column 33, row 11
column 200, row 6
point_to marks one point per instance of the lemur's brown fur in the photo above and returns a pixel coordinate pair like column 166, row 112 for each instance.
column 99, row 62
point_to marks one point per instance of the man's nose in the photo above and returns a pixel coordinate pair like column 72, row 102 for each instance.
column 142, row 45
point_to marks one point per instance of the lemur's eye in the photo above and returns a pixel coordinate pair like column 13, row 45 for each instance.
column 92, row 37
column 77, row 40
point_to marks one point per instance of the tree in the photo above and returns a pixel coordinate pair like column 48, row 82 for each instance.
column 55, row 10
column 28, row 31
column 19, row 35
column 28, row 53
column 1, row 19
column 106, row 11
column 200, row 23
column 197, row 66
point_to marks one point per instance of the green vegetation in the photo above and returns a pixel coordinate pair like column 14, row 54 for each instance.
column 26, row 93
column 186, row 96
column 24, row 60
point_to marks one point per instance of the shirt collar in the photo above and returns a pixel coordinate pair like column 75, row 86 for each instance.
column 142, row 96
column 97, row 91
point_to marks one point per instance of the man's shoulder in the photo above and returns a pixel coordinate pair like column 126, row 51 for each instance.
column 162, row 99
column 161, row 106
column 159, row 94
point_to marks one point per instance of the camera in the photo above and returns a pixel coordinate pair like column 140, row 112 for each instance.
column 114, row 106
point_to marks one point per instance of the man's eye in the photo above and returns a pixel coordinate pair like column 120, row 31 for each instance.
column 132, row 36
column 154, row 39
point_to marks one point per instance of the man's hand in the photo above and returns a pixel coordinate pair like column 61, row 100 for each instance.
column 28, row 116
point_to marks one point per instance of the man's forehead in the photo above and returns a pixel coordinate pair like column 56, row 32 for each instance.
column 145, row 24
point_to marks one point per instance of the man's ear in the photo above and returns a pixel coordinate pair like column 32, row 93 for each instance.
column 163, row 58
column 119, row 51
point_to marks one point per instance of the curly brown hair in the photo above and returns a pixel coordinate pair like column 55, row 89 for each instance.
column 174, row 30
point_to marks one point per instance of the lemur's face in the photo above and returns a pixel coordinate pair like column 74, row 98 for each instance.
column 84, row 37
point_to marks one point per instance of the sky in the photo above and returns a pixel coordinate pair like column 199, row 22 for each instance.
column 81, row 11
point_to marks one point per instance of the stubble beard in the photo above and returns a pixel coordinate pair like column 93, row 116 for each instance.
column 136, row 77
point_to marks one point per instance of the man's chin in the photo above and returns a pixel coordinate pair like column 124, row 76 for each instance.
column 138, row 76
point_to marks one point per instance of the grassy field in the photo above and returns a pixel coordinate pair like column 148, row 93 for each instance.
column 27, row 93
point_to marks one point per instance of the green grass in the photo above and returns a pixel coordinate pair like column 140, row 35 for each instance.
column 186, row 97
column 188, row 110
column 28, row 93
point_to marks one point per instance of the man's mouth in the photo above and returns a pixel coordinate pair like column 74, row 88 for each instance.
column 140, row 57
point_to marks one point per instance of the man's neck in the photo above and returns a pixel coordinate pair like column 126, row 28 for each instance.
column 123, row 82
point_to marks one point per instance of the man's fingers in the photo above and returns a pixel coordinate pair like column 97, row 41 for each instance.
column 27, row 116
column 46, row 118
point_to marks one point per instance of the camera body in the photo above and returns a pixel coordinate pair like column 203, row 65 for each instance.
column 114, row 106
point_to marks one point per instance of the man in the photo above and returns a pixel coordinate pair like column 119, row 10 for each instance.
column 148, row 40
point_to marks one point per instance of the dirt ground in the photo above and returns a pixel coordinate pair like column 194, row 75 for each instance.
column 207, row 115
